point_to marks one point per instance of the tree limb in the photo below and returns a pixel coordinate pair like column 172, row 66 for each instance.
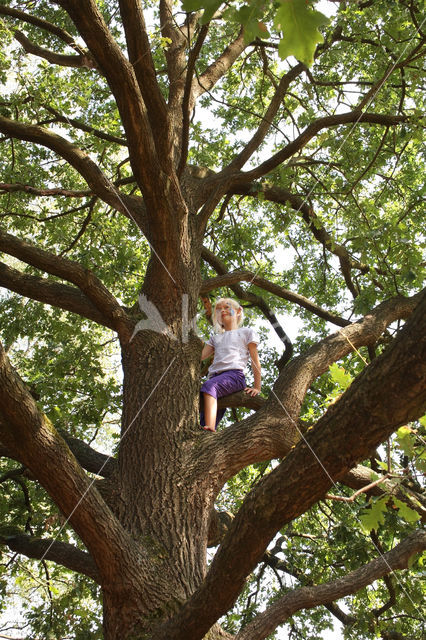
column 140, row 57
column 84, row 127
column 267, row 119
column 309, row 597
column 302, row 207
column 68, row 270
column 369, row 412
column 187, row 96
column 80, row 60
column 49, row 292
column 147, row 153
column 219, row 67
column 32, row 439
column 176, row 58
column 26, row 188
column 354, row 117
column 91, row 460
column 62, row 553
column 238, row 276
column 89, row 170
column 43, row 24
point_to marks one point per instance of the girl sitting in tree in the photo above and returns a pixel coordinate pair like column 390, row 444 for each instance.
column 231, row 348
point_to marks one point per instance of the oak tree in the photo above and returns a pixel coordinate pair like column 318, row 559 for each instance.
column 154, row 157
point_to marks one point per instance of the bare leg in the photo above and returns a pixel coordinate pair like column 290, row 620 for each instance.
column 210, row 412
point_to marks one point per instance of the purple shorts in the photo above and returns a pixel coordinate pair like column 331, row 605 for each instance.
column 222, row 384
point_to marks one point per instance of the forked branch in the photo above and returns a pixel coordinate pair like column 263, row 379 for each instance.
column 90, row 286
column 62, row 553
column 370, row 414
column 309, row 597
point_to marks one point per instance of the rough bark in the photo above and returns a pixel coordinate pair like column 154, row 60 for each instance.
column 325, row 455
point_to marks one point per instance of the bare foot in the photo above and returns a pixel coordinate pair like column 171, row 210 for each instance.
column 206, row 428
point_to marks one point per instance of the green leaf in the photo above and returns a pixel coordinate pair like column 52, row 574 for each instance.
column 209, row 6
column 374, row 515
column 192, row 5
column 299, row 23
column 405, row 511
column 249, row 16
column 406, row 440
column 340, row 376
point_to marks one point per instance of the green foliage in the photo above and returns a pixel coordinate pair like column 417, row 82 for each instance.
column 366, row 186
column 297, row 19
column 300, row 24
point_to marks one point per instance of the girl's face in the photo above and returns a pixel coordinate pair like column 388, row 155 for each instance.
column 226, row 315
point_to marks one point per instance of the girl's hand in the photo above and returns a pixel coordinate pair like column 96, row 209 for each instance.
column 252, row 391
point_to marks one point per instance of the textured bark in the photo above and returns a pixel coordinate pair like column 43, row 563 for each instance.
column 325, row 456
column 150, row 551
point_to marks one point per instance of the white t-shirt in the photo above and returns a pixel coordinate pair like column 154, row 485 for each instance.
column 231, row 349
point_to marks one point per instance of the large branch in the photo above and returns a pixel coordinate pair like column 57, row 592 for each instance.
column 388, row 393
column 267, row 119
column 53, row 293
column 217, row 69
column 187, row 98
column 91, row 460
column 86, row 167
column 228, row 180
column 176, row 57
column 68, row 270
column 31, row 438
column 238, row 276
column 308, row 597
column 140, row 56
column 352, row 117
column 13, row 187
column 148, row 153
column 49, row 549
column 79, row 60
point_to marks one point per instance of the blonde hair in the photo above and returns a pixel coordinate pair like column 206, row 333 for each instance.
column 232, row 303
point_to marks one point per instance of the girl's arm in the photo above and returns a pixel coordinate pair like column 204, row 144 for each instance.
column 207, row 351
column 255, row 366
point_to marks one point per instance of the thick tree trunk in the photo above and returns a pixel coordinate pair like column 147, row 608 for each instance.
column 156, row 496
